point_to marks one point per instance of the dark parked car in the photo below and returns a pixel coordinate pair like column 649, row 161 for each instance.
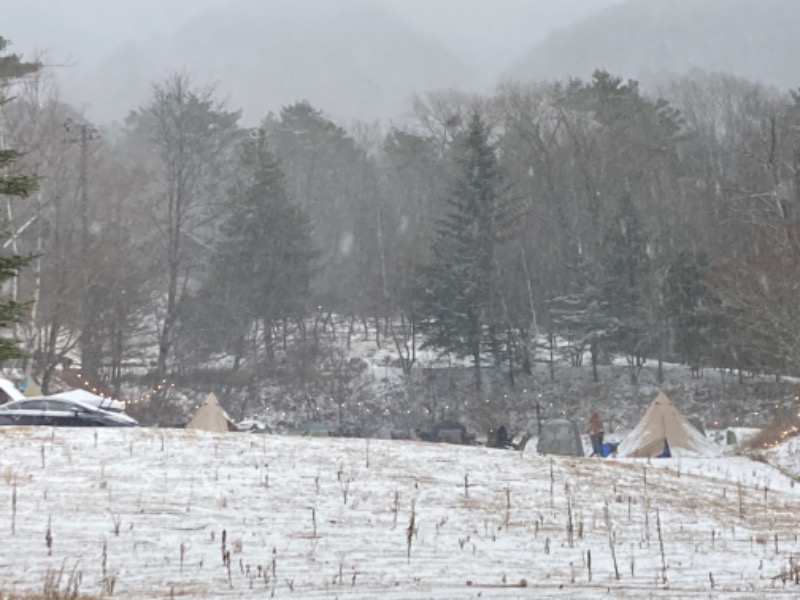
column 61, row 413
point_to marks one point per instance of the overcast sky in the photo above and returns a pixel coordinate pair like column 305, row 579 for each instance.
column 488, row 34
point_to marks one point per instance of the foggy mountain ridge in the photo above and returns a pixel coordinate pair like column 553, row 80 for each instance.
column 649, row 40
column 357, row 62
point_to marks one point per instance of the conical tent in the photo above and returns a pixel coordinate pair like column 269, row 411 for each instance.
column 32, row 389
column 210, row 416
column 662, row 428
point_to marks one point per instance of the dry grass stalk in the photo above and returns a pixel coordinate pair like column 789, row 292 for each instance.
column 570, row 525
column 661, row 548
column 224, row 541
column 314, row 523
column 52, row 589
column 48, row 538
column 14, row 509
column 609, row 529
column 183, row 549
column 741, row 499
column 344, row 484
column 589, row 563
column 411, row 530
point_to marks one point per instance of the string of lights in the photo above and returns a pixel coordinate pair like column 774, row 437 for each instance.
column 144, row 398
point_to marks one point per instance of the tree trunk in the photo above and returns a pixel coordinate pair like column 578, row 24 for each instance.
column 351, row 329
column 476, row 359
column 50, row 357
column 510, row 350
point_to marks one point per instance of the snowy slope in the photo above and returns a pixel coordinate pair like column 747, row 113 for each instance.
column 326, row 518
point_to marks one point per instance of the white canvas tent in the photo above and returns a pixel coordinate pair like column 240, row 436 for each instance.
column 664, row 424
column 10, row 391
column 211, row 417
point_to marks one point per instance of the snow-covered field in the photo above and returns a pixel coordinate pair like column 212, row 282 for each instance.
column 171, row 513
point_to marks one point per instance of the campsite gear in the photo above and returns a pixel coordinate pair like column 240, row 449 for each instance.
column 560, row 436
column 313, row 429
column 665, row 453
column 664, row 432
column 502, row 437
column 608, row 448
column 498, row 438
column 449, row 432
column 211, row 417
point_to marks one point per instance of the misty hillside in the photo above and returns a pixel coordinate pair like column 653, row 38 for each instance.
column 649, row 39
column 354, row 60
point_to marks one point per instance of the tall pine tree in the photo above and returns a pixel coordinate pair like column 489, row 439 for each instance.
column 626, row 285
column 684, row 293
column 264, row 259
column 456, row 306
column 12, row 184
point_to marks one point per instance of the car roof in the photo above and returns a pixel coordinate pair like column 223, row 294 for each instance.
column 52, row 399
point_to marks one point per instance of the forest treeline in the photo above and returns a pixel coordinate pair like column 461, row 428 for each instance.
column 660, row 227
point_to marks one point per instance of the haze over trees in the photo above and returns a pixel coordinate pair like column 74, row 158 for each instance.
column 654, row 226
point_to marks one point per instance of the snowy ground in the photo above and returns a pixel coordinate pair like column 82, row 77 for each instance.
column 147, row 510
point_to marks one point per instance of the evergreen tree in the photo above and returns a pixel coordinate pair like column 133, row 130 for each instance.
column 626, row 283
column 585, row 319
column 12, row 184
column 456, row 301
column 684, row 294
column 263, row 262
column 329, row 177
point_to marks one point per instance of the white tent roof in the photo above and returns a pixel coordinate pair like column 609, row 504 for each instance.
column 663, row 423
column 10, row 389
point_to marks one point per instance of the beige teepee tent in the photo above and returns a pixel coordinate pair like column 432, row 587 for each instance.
column 663, row 427
column 211, row 417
